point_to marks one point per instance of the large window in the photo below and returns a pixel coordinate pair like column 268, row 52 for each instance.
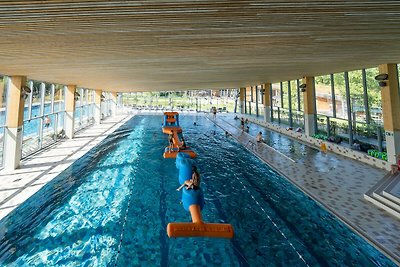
column 374, row 96
column 357, row 96
column 340, row 95
column 296, row 104
column 83, row 108
column 323, row 95
column 349, row 106
column 106, row 104
column 43, row 116
column 276, row 101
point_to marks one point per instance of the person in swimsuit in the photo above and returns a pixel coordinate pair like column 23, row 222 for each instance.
column 171, row 141
column 194, row 182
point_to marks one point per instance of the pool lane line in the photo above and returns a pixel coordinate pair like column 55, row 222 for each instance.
column 125, row 217
column 355, row 228
column 237, row 250
column 127, row 208
column 274, row 224
column 164, row 240
column 277, row 151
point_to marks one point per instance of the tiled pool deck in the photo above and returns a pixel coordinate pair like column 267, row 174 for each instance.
column 336, row 182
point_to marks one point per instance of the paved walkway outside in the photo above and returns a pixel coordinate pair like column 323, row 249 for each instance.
column 338, row 183
column 18, row 185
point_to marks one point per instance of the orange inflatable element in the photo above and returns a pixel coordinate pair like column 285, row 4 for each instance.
column 172, row 154
column 169, row 129
column 171, row 126
column 197, row 228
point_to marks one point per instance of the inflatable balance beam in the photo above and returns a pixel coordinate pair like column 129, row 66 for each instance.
column 197, row 228
column 193, row 201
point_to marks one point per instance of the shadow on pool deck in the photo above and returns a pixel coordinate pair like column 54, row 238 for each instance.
column 18, row 185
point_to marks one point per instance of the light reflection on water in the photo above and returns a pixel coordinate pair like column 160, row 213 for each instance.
column 79, row 219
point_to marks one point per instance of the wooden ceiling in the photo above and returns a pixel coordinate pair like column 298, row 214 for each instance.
column 179, row 45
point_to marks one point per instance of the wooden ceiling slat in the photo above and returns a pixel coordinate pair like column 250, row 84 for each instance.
column 178, row 45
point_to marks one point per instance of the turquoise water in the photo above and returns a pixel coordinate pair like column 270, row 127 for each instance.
column 111, row 208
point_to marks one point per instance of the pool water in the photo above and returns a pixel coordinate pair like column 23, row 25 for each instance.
column 289, row 147
column 111, row 208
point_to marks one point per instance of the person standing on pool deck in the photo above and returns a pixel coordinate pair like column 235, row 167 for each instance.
column 242, row 124
column 214, row 110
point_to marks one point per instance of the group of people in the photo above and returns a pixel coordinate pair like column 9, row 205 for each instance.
column 244, row 125
column 246, row 128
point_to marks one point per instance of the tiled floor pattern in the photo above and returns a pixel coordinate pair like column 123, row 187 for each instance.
column 337, row 183
column 18, row 185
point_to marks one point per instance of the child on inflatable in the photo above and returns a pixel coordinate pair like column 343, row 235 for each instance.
column 194, row 182
column 171, row 141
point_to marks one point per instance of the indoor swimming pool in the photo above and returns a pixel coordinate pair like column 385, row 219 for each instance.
column 112, row 206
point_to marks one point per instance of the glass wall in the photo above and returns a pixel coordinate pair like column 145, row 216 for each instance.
column 296, row 104
column 43, row 116
column 323, row 95
column 84, row 108
column 374, row 97
column 105, row 105
column 287, row 104
column 349, row 108
column 276, row 101
column 199, row 100
column 3, row 113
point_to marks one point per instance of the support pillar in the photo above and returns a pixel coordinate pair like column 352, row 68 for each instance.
column 15, row 119
column 267, row 101
column 97, row 107
column 70, row 111
column 113, row 104
column 391, row 111
column 257, row 113
column 309, row 106
column 242, row 99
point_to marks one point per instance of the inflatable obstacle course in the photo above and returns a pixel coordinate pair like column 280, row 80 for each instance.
column 171, row 127
column 193, row 201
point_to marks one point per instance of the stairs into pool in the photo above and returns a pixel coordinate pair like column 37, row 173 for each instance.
column 386, row 194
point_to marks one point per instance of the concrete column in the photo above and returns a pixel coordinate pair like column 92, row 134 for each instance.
column 267, row 101
column 391, row 111
column 113, row 103
column 241, row 98
column 256, row 89
column 97, row 107
column 70, row 111
column 309, row 106
column 15, row 119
